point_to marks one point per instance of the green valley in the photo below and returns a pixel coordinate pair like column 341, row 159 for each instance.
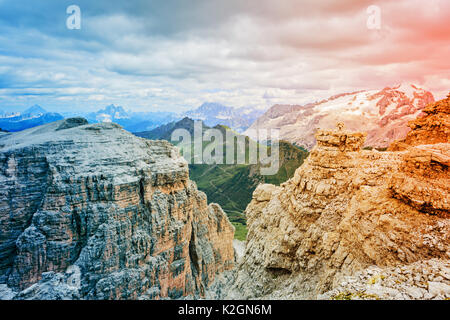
column 232, row 185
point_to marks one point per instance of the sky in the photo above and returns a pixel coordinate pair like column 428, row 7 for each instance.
column 173, row 55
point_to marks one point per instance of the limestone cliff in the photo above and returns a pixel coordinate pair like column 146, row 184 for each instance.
column 93, row 212
column 348, row 210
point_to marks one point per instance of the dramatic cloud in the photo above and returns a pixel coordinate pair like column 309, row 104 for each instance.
column 174, row 55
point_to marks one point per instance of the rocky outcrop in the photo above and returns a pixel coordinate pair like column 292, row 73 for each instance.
column 431, row 128
column 93, row 212
column 419, row 280
column 383, row 114
column 423, row 180
column 345, row 211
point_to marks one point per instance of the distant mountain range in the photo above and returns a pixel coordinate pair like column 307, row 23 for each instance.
column 31, row 117
column 232, row 185
column 131, row 121
column 238, row 119
column 165, row 131
column 210, row 113
column 383, row 114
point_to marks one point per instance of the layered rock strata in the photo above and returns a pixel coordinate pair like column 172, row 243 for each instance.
column 431, row 128
column 345, row 210
column 424, row 178
column 93, row 212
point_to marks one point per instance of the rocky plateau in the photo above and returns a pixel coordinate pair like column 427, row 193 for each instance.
column 90, row 211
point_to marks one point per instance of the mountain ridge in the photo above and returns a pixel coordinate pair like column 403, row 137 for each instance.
column 384, row 114
column 31, row 117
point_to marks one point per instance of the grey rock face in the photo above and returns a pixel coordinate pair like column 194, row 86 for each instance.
column 93, row 212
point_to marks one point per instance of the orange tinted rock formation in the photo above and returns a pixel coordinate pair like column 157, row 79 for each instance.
column 433, row 127
column 347, row 209
column 423, row 179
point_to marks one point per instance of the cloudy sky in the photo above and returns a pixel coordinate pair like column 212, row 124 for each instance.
column 174, row 55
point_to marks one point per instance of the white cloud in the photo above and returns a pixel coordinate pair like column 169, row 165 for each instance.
column 146, row 57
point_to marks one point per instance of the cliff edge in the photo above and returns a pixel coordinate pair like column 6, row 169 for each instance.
column 355, row 223
column 94, row 212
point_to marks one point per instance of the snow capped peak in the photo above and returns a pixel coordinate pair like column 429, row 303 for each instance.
column 213, row 113
column 213, row 107
column 384, row 114
column 408, row 89
column 111, row 112
column 375, row 103
column 113, row 109
column 35, row 109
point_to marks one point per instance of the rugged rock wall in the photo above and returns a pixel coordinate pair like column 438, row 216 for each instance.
column 93, row 212
column 423, row 180
column 344, row 210
column 431, row 128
